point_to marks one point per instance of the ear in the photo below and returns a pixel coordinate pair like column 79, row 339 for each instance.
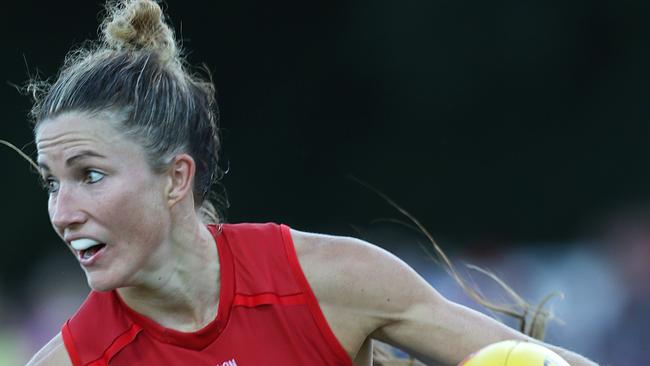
column 181, row 179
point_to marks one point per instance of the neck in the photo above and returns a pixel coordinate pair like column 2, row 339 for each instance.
column 181, row 289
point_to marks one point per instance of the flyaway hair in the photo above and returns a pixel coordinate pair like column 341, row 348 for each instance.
column 137, row 76
column 532, row 319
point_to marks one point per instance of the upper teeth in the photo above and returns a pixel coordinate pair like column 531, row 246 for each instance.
column 82, row 244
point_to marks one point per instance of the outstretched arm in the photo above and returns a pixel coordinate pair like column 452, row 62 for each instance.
column 396, row 305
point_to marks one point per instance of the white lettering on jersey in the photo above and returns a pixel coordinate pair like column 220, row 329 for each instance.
column 230, row 362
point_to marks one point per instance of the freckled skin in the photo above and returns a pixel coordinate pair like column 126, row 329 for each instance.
column 363, row 291
column 122, row 209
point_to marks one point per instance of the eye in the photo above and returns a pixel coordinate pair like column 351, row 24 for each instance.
column 50, row 185
column 93, row 176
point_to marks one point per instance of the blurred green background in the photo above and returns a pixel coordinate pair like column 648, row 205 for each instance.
column 494, row 123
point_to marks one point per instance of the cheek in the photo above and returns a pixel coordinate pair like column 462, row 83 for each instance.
column 50, row 206
column 137, row 212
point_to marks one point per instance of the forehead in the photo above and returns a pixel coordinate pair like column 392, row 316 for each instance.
column 66, row 133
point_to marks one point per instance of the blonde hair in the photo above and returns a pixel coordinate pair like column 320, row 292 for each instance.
column 136, row 71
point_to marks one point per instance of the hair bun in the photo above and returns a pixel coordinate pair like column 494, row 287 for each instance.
column 139, row 25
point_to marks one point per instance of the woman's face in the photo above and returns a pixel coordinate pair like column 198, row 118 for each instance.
column 105, row 202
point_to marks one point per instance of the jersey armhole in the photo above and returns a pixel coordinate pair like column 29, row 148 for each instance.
column 311, row 300
column 68, row 342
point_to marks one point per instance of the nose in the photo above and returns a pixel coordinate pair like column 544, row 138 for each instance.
column 66, row 209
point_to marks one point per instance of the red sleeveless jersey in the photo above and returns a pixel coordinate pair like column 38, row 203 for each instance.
column 267, row 315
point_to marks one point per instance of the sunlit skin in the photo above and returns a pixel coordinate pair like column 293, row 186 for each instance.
column 101, row 187
column 163, row 261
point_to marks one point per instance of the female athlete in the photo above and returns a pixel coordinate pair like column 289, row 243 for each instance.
column 127, row 146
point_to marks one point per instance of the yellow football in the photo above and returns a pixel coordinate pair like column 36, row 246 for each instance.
column 514, row 353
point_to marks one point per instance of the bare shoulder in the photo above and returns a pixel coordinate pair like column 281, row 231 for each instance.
column 336, row 263
column 340, row 251
column 52, row 354
column 329, row 261
column 360, row 287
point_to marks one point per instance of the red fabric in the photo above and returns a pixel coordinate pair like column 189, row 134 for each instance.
column 267, row 315
column 268, row 299
column 69, row 344
column 319, row 318
column 120, row 342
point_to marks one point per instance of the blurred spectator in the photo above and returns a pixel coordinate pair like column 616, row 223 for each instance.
column 627, row 236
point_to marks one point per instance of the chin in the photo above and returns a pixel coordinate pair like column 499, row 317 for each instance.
column 102, row 282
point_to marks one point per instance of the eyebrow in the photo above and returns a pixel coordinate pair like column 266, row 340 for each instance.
column 85, row 154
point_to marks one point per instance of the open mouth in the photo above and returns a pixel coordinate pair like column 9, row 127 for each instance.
column 86, row 254
column 87, row 249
